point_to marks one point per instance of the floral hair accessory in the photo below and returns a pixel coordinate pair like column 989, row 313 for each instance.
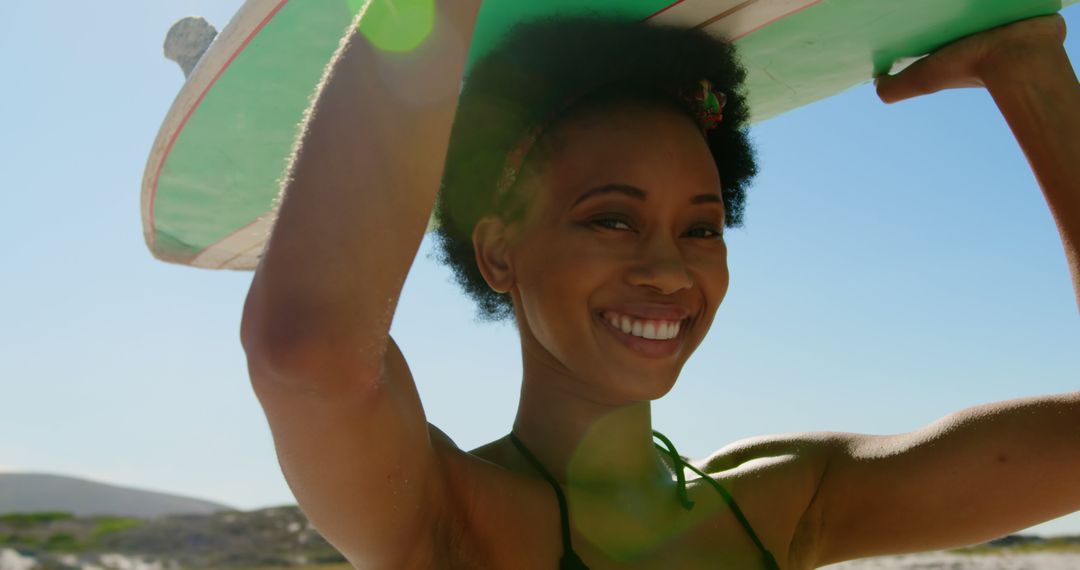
column 707, row 103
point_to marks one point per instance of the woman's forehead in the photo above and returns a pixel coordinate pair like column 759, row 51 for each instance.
column 654, row 150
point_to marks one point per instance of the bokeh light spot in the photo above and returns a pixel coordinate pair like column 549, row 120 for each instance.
column 396, row 25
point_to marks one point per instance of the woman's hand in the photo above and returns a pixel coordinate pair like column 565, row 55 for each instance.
column 1008, row 54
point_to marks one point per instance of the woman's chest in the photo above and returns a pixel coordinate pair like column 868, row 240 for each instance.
column 519, row 526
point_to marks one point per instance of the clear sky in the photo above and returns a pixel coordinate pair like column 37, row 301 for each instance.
column 898, row 263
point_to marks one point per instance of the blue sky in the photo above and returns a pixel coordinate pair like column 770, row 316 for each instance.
column 898, row 263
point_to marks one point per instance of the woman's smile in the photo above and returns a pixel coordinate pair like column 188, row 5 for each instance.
column 649, row 338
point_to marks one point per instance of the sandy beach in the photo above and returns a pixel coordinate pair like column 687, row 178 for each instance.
column 947, row 561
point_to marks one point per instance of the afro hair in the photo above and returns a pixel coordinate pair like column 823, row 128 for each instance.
column 525, row 83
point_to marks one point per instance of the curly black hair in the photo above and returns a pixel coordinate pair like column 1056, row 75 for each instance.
column 526, row 81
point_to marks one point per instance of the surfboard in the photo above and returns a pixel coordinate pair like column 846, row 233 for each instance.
column 211, row 182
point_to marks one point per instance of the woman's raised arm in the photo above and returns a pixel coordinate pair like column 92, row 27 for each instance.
column 359, row 192
column 350, row 433
column 992, row 469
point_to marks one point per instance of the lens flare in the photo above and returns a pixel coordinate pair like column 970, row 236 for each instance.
column 396, row 25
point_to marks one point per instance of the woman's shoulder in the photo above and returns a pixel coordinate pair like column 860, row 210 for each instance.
column 774, row 482
column 499, row 515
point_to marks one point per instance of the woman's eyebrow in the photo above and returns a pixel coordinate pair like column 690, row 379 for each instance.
column 637, row 193
column 707, row 199
column 624, row 189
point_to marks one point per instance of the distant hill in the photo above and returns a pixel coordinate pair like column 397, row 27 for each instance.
column 37, row 492
column 275, row 537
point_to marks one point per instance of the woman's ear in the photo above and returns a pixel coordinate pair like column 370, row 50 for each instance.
column 491, row 241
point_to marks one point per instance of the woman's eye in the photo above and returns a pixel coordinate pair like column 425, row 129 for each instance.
column 612, row 223
column 709, row 232
column 618, row 224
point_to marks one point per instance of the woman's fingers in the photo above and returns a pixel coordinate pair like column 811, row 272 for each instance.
column 928, row 75
column 967, row 62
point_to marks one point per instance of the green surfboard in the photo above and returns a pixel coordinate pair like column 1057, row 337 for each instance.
column 211, row 181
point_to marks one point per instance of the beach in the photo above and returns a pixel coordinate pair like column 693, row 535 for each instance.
column 951, row 561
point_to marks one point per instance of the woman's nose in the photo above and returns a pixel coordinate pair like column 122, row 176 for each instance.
column 661, row 266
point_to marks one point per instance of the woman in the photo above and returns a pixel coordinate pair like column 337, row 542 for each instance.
column 601, row 223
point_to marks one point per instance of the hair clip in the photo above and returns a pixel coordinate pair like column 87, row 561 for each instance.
column 707, row 103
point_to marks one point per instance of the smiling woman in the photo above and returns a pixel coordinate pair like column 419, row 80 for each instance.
column 520, row 103
column 592, row 168
column 588, row 203
column 566, row 265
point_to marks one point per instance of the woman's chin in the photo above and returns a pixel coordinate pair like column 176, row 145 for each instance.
column 635, row 383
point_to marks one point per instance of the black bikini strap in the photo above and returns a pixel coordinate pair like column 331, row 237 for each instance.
column 570, row 559
column 680, row 478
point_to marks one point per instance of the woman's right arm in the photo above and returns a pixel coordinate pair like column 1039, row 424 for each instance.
column 348, row 426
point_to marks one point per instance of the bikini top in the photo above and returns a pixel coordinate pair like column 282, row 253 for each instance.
column 570, row 559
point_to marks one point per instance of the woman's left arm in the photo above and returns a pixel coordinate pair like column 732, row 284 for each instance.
column 1025, row 68
column 975, row 475
column 990, row 470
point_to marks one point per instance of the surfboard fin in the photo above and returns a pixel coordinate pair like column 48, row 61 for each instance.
column 187, row 41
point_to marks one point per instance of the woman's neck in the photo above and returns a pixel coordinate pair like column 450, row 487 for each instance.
column 590, row 446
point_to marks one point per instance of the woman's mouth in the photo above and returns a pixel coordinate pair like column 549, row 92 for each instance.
column 655, row 338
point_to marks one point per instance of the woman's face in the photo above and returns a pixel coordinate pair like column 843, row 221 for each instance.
column 623, row 231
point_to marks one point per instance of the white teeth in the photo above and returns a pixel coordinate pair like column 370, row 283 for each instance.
column 653, row 330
